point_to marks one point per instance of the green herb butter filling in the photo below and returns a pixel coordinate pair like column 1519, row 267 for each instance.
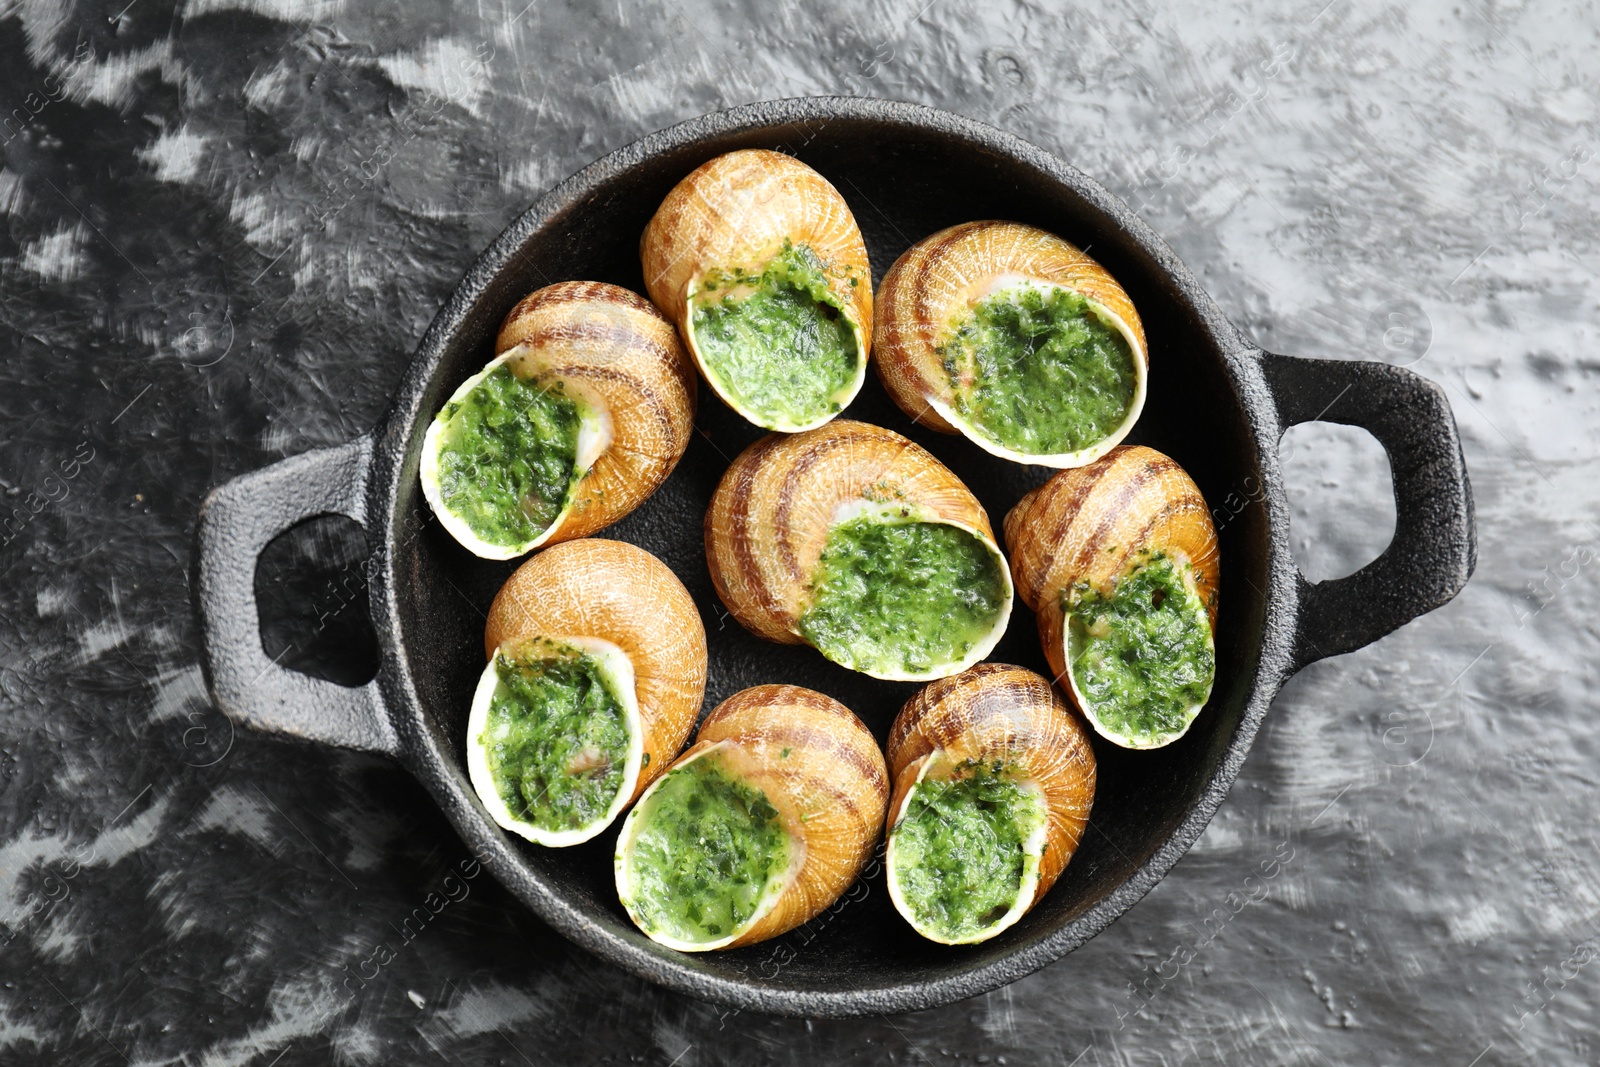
column 1142, row 658
column 1037, row 370
column 507, row 456
column 779, row 343
column 901, row 597
column 706, row 848
column 961, row 849
column 555, row 739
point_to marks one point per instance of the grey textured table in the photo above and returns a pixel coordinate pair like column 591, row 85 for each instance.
column 228, row 222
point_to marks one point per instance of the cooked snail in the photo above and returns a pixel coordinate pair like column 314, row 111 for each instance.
column 760, row 263
column 1119, row 560
column 1014, row 338
column 582, row 414
column 597, row 667
column 854, row 540
column 759, row 826
column 993, row 781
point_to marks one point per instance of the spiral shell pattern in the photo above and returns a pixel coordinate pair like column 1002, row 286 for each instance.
column 820, row 767
column 737, row 212
column 613, row 353
column 769, row 518
column 1092, row 524
column 614, row 348
column 996, row 711
column 936, row 282
column 621, row 594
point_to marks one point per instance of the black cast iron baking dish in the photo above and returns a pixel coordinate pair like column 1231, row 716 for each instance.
column 1217, row 403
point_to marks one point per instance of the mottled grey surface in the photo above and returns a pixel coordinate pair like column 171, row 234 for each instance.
column 228, row 222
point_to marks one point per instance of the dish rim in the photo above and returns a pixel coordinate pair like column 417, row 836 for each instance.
column 422, row 752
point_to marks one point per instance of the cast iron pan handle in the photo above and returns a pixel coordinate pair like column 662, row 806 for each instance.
column 237, row 521
column 1435, row 546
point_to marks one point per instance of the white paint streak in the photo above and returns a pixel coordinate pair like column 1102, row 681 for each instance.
column 174, row 899
column 15, row 1032
column 445, row 68
column 102, row 637
column 999, row 1016
column 339, row 268
column 298, row 1008
column 236, row 812
column 43, row 21
column 60, row 942
column 264, row 228
column 1219, row 837
column 356, row 1044
column 307, row 147
column 531, row 175
column 264, row 91
column 292, row 11
column 177, row 693
column 1479, row 921
column 637, row 93
column 108, row 848
column 111, row 82
column 50, row 602
column 57, row 257
column 480, row 1010
column 1571, row 105
column 175, row 155
column 12, row 200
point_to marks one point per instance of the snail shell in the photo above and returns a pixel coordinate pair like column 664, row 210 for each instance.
column 625, row 607
column 619, row 359
column 933, row 288
column 772, row 513
column 817, row 766
column 963, row 726
column 738, row 212
column 1087, row 529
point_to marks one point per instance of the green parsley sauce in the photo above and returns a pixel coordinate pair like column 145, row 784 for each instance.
column 1038, row 371
column 897, row 596
column 1142, row 658
column 556, row 739
column 706, row 848
column 960, row 849
column 507, row 456
column 779, row 342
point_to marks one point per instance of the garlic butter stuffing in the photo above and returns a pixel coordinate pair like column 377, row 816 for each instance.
column 856, row 541
column 993, row 783
column 1119, row 561
column 758, row 827
column 758, row 260
column 596, row 670
column 582, row 414
column 1014, row 338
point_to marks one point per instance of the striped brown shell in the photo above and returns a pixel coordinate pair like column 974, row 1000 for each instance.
column 823, row 771
column 737, row 211
column 615, row 348
column 614, row 353
column 936, row 282
column 769, row 518
column 622, row 594
column 1092, row 523
column 996, row 711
